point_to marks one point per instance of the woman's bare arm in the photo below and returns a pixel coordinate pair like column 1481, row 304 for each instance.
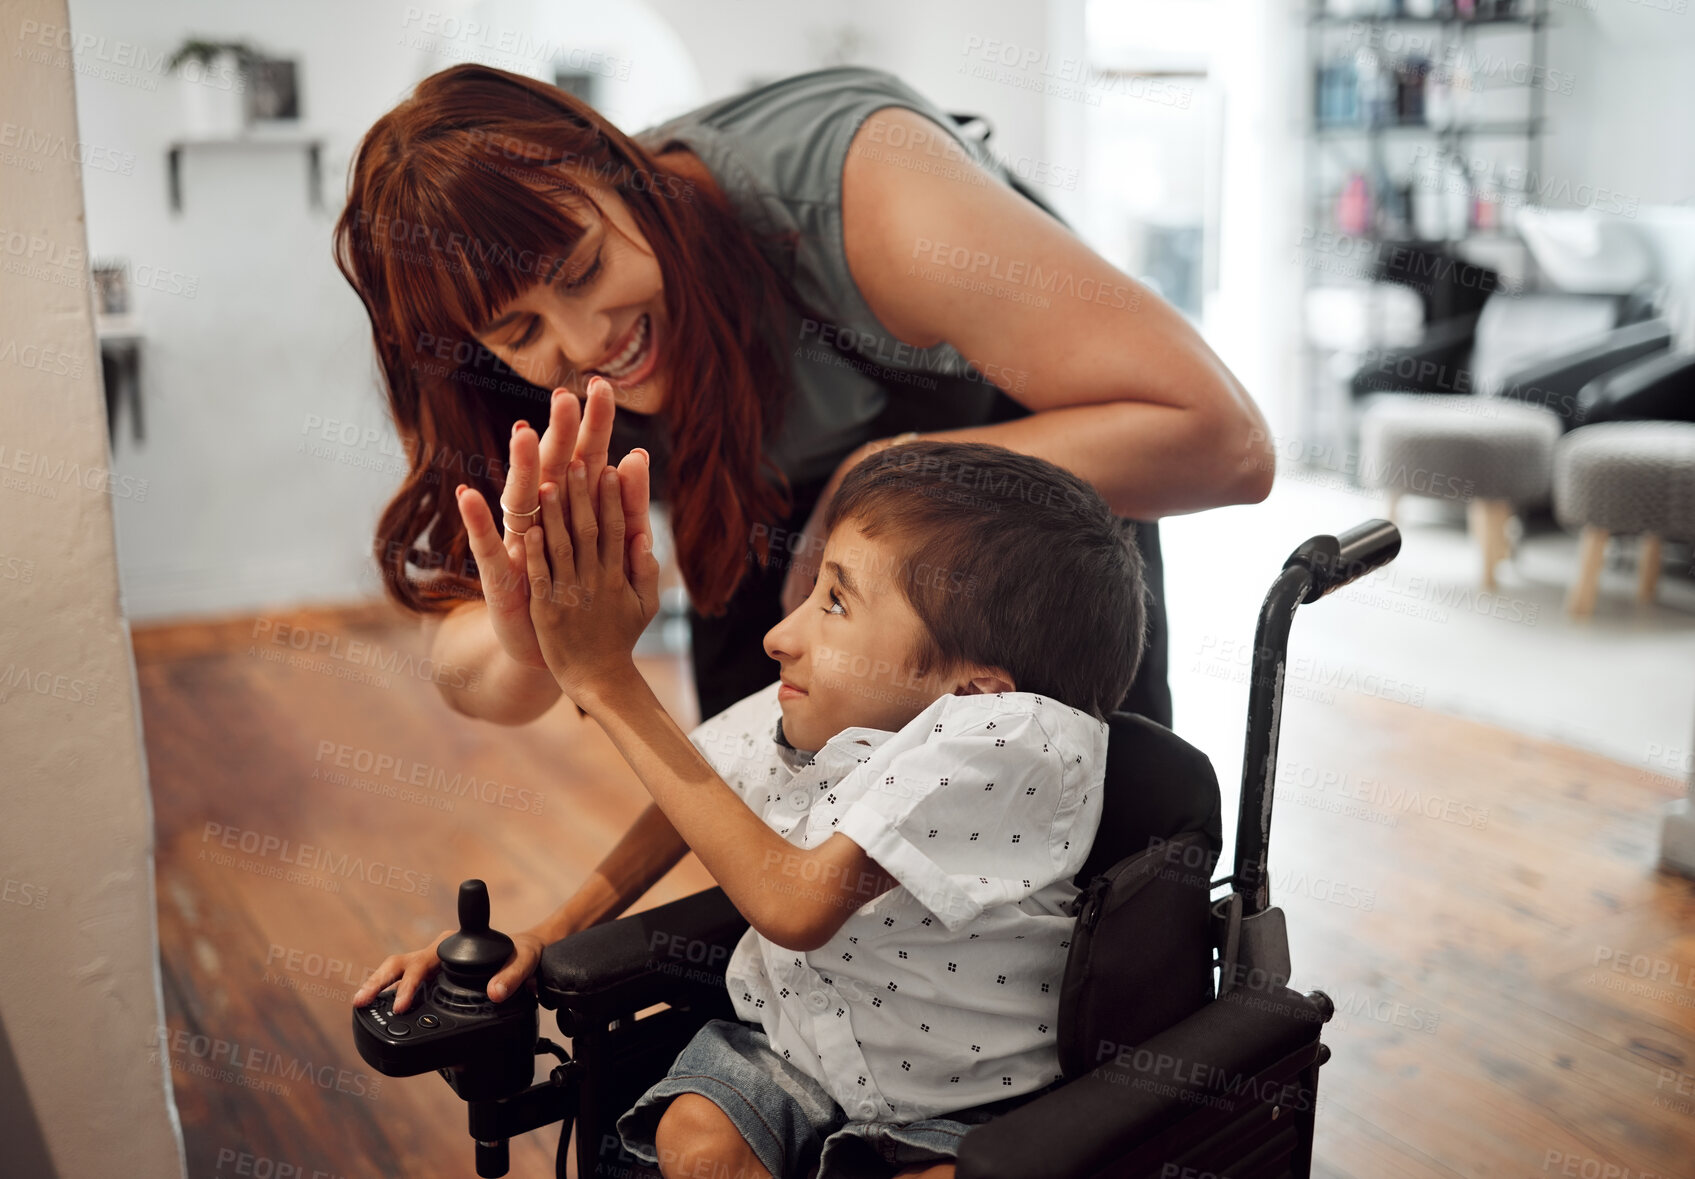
column 649, row 849
column 501, row 690
column 1123, row 391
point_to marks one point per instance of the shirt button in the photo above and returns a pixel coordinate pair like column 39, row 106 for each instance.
column 867, row 1108
column 817, row 1000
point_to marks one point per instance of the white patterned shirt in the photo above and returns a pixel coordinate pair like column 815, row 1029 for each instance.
column 942, row 993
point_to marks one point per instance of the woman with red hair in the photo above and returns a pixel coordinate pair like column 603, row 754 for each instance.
column 774, row 285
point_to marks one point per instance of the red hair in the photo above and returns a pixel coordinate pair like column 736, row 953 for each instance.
column 455, row 208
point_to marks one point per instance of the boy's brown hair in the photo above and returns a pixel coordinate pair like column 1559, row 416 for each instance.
column 1009, row 561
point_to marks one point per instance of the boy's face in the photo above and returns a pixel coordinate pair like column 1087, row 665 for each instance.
column 847, row 647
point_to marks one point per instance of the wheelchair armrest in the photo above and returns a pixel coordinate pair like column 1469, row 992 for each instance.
column 1245, row 1049
column 1660, row 387
column 1554, row 383
column 670, row 953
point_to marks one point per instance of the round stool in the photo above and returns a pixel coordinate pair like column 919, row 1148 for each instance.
column 1636, row 478
column 1493, row 454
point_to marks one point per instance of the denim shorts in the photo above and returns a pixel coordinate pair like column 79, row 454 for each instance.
column 787, row 1118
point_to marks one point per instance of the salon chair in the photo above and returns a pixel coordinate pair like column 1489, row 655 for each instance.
column 1545, row 349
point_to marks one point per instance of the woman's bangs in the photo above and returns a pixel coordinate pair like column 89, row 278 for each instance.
column 463, row 249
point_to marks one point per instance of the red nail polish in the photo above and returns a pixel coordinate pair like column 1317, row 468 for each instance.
column 520, row 424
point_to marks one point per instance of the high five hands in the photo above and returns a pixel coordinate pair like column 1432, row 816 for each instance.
column 570, row 588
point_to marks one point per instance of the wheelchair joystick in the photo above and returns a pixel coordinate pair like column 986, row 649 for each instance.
column 472, row 956
column 485, row 1050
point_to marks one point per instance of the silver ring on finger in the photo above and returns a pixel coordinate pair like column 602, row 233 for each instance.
column 528, row 517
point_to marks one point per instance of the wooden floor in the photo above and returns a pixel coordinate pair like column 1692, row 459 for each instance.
column 1479, row 1030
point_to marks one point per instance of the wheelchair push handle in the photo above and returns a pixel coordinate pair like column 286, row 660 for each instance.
column 1335, row 561
column 1318, row 566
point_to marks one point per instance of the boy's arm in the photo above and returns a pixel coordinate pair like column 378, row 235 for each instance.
column 649, row 849
column 794, row 897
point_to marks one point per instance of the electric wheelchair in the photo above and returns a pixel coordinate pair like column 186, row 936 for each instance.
column 1183, row 1050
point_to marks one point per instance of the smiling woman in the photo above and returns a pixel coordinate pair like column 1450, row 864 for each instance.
column 499, row 224
column 772, row 285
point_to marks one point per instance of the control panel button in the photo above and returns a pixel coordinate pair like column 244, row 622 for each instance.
column 399, row 1029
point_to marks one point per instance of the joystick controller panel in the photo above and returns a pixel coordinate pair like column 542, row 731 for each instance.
column 486, row 1050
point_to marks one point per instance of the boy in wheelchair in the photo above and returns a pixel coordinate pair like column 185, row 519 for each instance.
column 899, row 816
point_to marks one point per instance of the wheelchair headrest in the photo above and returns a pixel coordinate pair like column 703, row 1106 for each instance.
column 1158, row 786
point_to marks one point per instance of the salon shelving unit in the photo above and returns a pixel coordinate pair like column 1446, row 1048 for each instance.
column 1453, row 36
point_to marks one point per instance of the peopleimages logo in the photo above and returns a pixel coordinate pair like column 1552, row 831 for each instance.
column 391, row 773
column 1017, row 272
column 40, row 474
column 46, row 683
column 311, row 857
column 41, row 358
column 1199, row 1076
column 35, row 145
column 358, row 652
column 232, row 1062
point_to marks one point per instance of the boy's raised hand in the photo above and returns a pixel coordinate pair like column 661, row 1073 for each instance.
column 594, row 581
column 580, row 430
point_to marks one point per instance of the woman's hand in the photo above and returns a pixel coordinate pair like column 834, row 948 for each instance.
column 501, row 564
column 415, row 969
column 594, row 582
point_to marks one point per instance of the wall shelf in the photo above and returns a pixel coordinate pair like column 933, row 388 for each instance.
column 1522, row 20
column 312, row 145
column 1512, row 127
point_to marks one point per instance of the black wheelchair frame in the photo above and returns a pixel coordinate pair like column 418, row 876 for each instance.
column 1182, row 1047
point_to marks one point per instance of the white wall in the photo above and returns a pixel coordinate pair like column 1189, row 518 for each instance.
column 1255, row 315
column 739, row 41
column 261, row 335
column 82, row 1091
column 1629, row 120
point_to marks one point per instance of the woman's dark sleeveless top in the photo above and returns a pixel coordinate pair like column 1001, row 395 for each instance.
column 778, row 153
